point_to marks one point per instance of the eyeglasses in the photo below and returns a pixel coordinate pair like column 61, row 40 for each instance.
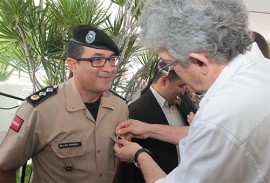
column 100, row 61
column 183, row 85
column 165, row 68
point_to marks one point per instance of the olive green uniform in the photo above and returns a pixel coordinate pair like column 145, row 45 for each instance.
column 65, row 142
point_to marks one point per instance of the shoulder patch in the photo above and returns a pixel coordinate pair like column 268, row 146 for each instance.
column 41, row 95
column 16, row 123
column 116, row 94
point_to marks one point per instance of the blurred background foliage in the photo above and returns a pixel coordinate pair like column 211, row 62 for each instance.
column 34, row 37
column 5, row 71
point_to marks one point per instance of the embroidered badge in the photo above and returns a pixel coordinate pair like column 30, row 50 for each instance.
column 16, row 124
column 90, row 37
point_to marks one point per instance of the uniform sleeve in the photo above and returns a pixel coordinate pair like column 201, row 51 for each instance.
column 18, row 145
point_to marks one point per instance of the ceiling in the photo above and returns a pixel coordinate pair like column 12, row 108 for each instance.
column 259, row 17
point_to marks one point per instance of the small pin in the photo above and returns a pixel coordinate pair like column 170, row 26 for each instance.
column 49, row 90
column 42, row 94
column 34, row 97
column 118, row 136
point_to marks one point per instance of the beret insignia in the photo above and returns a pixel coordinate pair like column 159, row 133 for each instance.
column 41, row 95
column 90, row 37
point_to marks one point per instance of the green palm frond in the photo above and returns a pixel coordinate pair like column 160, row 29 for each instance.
column 35, row 36
column 120, row 3
column 5, row 71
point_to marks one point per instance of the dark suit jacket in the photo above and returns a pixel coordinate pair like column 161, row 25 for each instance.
column 147, row 109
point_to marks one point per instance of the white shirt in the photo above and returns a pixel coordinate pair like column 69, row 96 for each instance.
column 171, row 112
column 229, row 138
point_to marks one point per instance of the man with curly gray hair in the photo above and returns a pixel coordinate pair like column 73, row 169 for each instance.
column 208, row 44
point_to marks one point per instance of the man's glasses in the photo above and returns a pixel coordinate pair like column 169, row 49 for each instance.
column 183, row 85
column 100, row 61
column 165, row 68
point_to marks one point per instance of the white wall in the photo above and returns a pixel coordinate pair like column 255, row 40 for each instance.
column 20, row 89
column 259, row 16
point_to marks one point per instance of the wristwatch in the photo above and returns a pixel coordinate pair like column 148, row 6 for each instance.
column 138, row 153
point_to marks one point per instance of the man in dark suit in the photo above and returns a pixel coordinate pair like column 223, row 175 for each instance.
column 162, row 102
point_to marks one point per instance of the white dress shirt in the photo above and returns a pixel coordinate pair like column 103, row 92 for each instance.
column 171, row 112
column 229, row 138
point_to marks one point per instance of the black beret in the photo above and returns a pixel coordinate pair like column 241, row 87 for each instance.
column 95, row 38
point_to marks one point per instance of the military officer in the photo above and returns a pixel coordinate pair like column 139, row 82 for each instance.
column 67, row 130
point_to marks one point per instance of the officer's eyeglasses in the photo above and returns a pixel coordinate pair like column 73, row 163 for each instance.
column 101, row 61
column 165, row 68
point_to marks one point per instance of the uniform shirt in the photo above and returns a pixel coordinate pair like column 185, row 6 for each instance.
column 229, row 138
column 65, row 142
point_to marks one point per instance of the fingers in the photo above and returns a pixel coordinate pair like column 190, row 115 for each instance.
column 120, row 143
column 125, row 150
column 191, row 113
column 190, row 117
column 120, row 150
column 130, row 128
column 117, row 146
column 122, row 128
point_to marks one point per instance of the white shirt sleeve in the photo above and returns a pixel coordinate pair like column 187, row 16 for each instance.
column 203, row 155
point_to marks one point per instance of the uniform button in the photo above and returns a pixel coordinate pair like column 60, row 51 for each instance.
column 68, row 167
column 98, row 151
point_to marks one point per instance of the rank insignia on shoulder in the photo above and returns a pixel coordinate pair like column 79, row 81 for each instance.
column 34, row 97
column 41, row 95
column 116, row 94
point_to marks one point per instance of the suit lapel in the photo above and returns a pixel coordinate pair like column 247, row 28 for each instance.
column 155, row 108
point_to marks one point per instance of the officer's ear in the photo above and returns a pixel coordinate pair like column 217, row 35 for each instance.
column 72, row 64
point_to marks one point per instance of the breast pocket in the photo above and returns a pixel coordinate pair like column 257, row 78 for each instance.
column 69, row 154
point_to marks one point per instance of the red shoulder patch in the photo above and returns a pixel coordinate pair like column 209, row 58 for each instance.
column 16, row 124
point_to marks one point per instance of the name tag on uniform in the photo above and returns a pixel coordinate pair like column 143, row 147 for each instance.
column 69, row 144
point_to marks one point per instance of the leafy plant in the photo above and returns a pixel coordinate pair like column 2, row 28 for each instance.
column 5, row 71
column 36, row 36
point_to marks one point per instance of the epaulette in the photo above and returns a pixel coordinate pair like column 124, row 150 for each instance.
column 116, row 94
column 42, row 95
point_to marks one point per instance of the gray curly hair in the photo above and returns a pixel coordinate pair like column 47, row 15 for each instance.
column 217, row 28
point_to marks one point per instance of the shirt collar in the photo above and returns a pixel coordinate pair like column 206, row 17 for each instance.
column 161, row 101
column 74, row 99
